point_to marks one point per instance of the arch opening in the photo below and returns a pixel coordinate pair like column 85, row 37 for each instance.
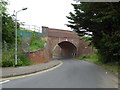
column 68, row 50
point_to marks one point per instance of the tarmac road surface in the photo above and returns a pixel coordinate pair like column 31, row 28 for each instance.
column 71, row 74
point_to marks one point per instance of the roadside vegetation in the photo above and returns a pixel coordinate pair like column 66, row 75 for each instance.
column 94, row 58
column 37, row 42
column 8, row 40
column 25, row 41
column 101, row 22
column 8, row 56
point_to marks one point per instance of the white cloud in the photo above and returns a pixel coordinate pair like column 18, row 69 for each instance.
column 51, row 13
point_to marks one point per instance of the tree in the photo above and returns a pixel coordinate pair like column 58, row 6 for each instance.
column 8, row 29
column 8, row 24
column 3, row 5
column 102, row 19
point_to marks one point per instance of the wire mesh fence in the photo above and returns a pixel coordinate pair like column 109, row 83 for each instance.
column 26, row 36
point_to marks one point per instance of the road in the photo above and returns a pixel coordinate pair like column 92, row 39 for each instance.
column 71, row 74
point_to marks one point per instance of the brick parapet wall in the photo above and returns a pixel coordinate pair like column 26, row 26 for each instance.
column 38, row 56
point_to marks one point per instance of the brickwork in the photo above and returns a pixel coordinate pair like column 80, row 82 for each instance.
column 84, row 48
column 61, row 43
column 39, row 56
column 56, row 36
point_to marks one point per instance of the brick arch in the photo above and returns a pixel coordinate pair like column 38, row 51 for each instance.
column 63, row 46
column 57, row 42
column 69, row 41
column 56, row 36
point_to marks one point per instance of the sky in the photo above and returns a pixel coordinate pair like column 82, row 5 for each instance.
column 50, row 13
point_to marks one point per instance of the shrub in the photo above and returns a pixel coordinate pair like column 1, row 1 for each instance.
column 91, row 57
column 23, row 60
column 8, row 56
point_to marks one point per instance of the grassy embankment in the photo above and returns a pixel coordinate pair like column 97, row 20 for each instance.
column 8, row 52
column 112, row 67
column 37, row 43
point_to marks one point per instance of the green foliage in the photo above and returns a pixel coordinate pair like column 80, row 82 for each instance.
column 8, row 24
column 23, row 59
column 113, row 67
column 8, row 29
column 8, row 39
column 95, row 17
column 87, row 39
column 36, row 42
column 102, row 19
column 25, row 30
column 8, row 55
column 3, row 5
column 108, row 47
column 92, row 58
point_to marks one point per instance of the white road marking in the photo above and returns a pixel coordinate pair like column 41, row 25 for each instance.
column 4, row 81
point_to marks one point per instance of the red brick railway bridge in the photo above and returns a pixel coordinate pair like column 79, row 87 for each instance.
column 65, row 43
column 60, row 43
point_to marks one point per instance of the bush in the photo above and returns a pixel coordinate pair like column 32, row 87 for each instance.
column 95, row 58
column 109, row 48
column 91, row 58
column 23, row 60
column 84, row 56
column 8, row 56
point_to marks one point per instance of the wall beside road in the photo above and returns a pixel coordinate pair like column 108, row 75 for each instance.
column 39, row 56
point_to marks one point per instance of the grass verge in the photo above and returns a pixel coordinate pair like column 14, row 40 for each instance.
column 112, row 67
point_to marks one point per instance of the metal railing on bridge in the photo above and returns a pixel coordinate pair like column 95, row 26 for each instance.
column 25, row 33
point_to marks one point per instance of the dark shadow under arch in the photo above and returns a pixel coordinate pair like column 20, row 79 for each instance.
column 68, row 49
